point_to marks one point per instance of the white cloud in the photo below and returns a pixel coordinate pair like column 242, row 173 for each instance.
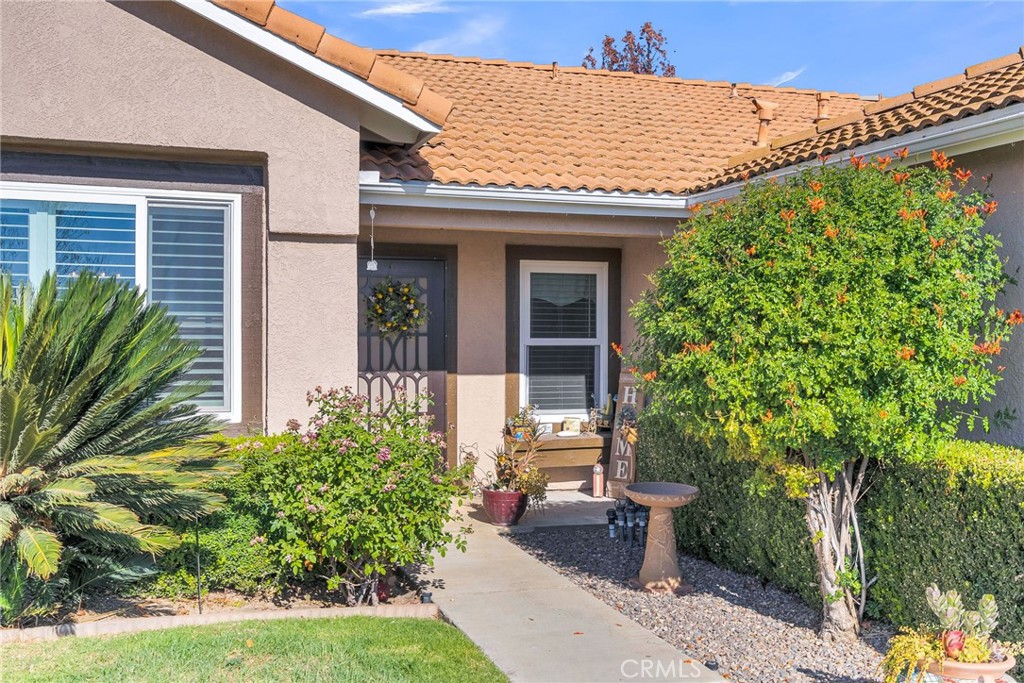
column 394, row 9
column 786, row 77
column 470, row 34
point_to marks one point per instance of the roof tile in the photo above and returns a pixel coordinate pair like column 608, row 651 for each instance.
column 294, row 28
column 352, row 58
column 826, row 125
column 355, row 60
column 992, row 65
column 986, row 89
column 395, row 81
column 936, row 86
column 749, row 155
column 582, row 129
column 432, row 106
column 254, row 10
column 888, row 103
column 794, row 137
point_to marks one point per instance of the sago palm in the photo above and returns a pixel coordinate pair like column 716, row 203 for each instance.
column 95, row 424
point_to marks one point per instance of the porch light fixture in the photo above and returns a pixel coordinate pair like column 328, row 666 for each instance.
column 371, row 265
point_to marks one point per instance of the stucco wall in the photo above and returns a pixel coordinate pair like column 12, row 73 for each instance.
column 153, row 79
column 1006, row 164
column 481, row 380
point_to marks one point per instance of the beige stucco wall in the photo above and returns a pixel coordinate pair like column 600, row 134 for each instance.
column 1006, row 164
column 153, row 79
column 481, row 299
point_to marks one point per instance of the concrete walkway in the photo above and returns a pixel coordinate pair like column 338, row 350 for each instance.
column 538, row 627
column 566, row 508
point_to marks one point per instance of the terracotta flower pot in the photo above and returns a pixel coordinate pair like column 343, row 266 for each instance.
column 960, row 672
column 504, row 508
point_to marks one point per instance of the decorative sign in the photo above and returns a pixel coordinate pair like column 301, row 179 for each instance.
column 622, row 465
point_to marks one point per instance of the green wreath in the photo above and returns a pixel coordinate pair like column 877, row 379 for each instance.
column 394, row 307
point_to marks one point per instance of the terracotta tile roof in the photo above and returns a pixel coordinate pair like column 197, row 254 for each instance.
column 990, row 85
column 354, row 59
column 545, row 126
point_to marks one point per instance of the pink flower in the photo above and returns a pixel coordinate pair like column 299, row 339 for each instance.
column 388, row 488
column 384, row 454
column 293, row 425
column 278, row 448
column 299, row 487
column 311, row 508
column 280, row 514
column 323, row 488
column 256, row 540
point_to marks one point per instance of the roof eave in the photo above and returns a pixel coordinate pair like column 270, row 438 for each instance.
column 973, row 133
column 384, row 114
column 421, row 194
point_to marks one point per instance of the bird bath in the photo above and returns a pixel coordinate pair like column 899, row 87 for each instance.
column 660, row 571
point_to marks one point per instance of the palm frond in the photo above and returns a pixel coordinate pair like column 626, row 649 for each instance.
column 8, row 522
column 39, row 549
column 94, row 415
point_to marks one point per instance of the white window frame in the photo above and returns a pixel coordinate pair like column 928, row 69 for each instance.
column 141, row 198
column 598, row 268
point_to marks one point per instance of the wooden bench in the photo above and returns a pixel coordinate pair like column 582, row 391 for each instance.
column 585, row 450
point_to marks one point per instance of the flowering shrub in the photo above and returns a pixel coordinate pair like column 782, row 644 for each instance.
column 358, row 493
column 842, row 317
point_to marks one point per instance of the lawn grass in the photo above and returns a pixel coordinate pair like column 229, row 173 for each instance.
column 347, row 649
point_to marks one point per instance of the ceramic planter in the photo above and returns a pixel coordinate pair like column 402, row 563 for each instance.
column 958, row 672
column 504, row 508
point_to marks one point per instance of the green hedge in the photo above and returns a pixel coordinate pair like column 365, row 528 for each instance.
column 229, row 559
column 959, row 523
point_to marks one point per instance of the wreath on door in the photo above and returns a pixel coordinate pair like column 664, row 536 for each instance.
column 394, row 307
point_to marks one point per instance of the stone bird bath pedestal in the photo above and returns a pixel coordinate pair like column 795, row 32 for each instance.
column 660, row 572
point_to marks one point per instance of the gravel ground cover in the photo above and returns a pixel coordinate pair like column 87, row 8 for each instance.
column 753, row 632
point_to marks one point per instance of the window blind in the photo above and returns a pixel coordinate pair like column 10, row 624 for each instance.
column 561, row 378
column 98, row 237
column 187, row 275
column 563, row 305
column 14, row 241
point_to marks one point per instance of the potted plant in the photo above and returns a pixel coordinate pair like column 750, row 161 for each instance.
column 516, row 479
column 962, row 650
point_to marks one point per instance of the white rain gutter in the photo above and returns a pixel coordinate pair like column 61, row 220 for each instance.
column 373, row 190
column 393, row 107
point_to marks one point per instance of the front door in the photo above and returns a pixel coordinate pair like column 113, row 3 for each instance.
column 415, row 360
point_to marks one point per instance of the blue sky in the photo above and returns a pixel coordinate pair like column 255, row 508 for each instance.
column 862, row 47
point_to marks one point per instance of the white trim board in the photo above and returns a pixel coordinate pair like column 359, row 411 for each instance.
column 385, row 114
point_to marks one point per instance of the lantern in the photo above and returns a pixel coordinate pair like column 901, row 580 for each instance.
column 598, row 484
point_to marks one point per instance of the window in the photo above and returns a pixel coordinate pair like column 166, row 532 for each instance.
column 563, row 336
column 181, row 247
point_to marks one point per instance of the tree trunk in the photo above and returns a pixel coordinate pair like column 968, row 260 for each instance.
column 831, row 516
